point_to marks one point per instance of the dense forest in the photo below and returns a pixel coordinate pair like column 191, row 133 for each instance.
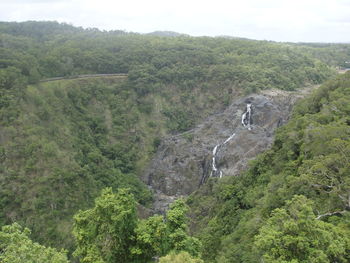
column 292, row 205
column 62, row 142
column 332, row 54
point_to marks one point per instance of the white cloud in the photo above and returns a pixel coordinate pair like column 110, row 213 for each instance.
column 281, row 20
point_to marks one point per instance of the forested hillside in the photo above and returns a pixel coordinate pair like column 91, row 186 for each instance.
column 71, row 138
column 61, row 142
column 332, row 54
column 292, row 205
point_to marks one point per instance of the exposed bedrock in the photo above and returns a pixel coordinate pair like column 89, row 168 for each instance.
column 183, row 162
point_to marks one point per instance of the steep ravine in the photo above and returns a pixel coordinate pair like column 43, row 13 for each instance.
column 220, row 146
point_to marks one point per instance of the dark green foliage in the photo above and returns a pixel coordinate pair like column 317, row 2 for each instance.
column 310, row 157
column 11, row 90
column 158, row 235
column 293, row 234
column 75, row 139
column 54, row 49
column 330, row 53
column 177, row 229
column 201, row 70
column 63, row 141
column 179, row 119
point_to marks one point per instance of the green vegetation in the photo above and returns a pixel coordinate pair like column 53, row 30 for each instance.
column 62, row 142
column 16, row 247
column 182, row 257
column 292, row 204
column 105, row 233
column 332, row 54
column 70, row 140
column 294, row 234
column 111, row 232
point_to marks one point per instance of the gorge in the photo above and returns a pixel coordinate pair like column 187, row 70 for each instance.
column 185, row 161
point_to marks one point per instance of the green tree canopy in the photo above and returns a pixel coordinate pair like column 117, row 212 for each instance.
column 178, row 238
column 17, row 247
column 151, row 238
column 105, row 233
column 182, row 257
column 110, row 232
column 293, row 234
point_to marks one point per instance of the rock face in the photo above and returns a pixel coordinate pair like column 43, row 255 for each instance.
column 185, row 161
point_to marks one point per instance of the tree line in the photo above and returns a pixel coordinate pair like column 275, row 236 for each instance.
column 62, row 142
column 292, row 204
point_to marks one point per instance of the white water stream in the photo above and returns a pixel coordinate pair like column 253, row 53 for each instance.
column 246, row 122
column 246, row 117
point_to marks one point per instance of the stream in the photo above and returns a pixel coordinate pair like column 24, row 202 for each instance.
column 246, row 122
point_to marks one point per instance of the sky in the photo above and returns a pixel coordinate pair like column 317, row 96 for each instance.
column 278, row 20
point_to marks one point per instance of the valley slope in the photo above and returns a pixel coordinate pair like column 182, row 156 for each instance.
column 63, row 141
column 184, row 162
column 295, row 193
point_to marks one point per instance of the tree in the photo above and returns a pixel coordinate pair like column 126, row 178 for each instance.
column 157, row 236
column 182, row 257
column 178, row 238
column 110, row 232
column 151, row 238
column 105, row 233
column 293, row 234
column 16, row 247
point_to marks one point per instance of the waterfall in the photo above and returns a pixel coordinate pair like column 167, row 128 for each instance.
column 213, row 165
column 229, row 138
column 215, row 148
column 215, row 171
column 246, row 122
column 246, row 117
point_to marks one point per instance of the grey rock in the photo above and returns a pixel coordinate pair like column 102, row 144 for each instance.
column 183, row 162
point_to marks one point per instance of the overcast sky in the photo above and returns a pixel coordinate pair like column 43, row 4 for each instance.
column 279, row 20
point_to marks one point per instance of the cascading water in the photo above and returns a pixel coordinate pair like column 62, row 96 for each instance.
column 246, row 122
column 214, row 170
column 246, row 117
column 229, row 138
